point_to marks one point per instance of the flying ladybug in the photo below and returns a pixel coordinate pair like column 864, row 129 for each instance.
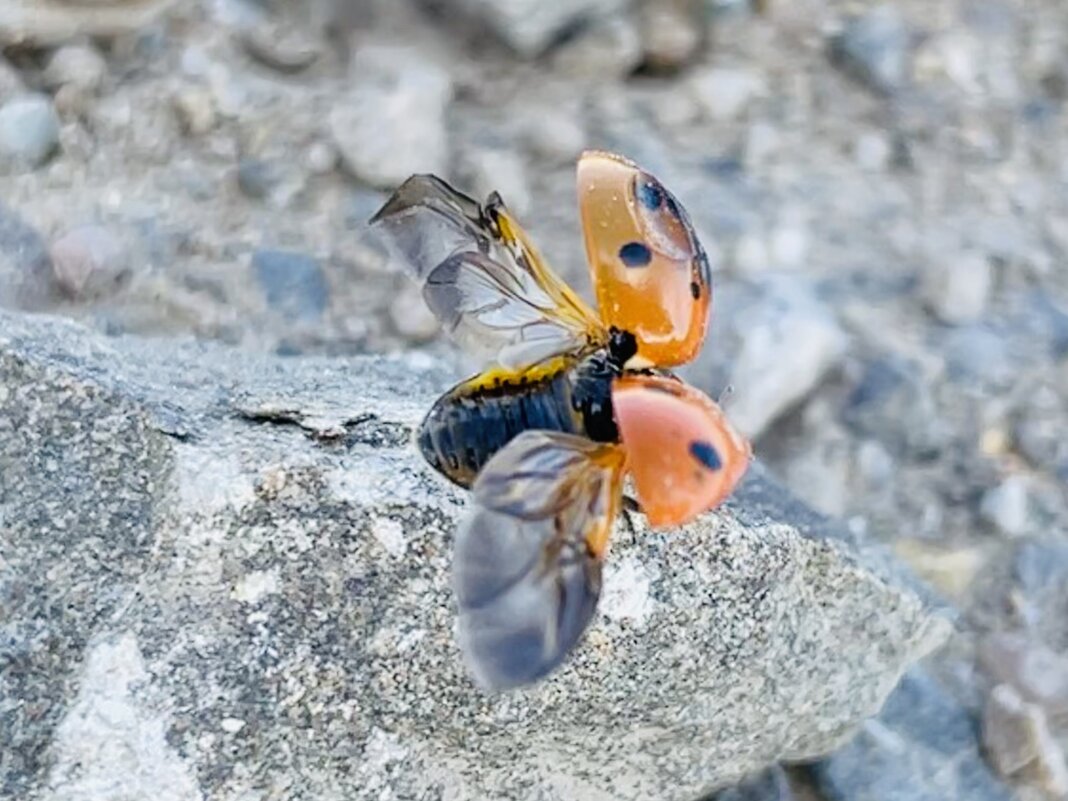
column 570, row 404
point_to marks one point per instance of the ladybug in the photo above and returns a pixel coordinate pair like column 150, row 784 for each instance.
column 570, row 404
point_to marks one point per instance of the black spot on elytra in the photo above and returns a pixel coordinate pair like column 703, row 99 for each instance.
column 706, row 454
column 695, row 290
column 635, row 254
column 650, row 194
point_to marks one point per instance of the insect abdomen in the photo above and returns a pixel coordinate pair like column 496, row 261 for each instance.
column 473, row 421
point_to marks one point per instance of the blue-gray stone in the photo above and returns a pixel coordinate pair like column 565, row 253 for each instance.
column 292, row 282
column 25, row 266
column 29, row 129
column 924, row 746
column 873, row 47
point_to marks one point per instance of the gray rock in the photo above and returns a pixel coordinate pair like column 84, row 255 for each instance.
column 25, row 266
column 788, row 345
column 1007, row 506
column 893, row 403
column 49, row 22
column 195, row 108
column 979, row 354
column 1012, row 730
column 723, row 93
column 392, row 122
column 29, row 130
column 923, row 747
column 874, row 47
column 1017, row 736
column 1041, row 572
column 503, row 171
column 286, row 47
column 530, row 26
column 957, row 286
column 89, row 261
column 80, row 66
column 293, row 283
column 554, row 133
column 225, row 572
column 609, row 49
column 771, row 785
column 671, row 34
column 257, row 178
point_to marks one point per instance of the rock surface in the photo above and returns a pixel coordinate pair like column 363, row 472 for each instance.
column 227, row 576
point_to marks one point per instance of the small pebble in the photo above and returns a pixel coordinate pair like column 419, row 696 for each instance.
column 89, row 261
column 195, row 108
column 670, row 35
column 1012, row 729
column 610, row 49
column 25, row 268
column 321, row 158
column 78, row 66
column 502, row 171
column 554, row 134
column 29, row 129
column 724, row 93
column 1006, row 506
column 957, row 286
column 872, row 151
column 256, row 178
column 286, row 48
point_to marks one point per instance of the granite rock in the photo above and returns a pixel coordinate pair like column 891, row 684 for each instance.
column 227, row 576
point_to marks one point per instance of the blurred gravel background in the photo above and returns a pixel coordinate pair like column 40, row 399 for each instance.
column 883, row 189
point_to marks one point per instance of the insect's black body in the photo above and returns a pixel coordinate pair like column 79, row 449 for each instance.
column 475, row 419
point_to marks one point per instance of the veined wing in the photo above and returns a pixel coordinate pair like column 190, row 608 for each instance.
column 482, row 277
column 527, row 566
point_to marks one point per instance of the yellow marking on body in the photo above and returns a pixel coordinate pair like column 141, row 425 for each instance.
column 498, row 376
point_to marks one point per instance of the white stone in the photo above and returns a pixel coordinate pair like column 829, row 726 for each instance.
column 80, row 66
column 29, row 129
column 956, row 287
column 724, row 93
column 1006, row 506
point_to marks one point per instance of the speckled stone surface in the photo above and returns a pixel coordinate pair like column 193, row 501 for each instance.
column 226, row 576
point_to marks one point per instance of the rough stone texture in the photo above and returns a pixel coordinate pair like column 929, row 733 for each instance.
column 227, row 576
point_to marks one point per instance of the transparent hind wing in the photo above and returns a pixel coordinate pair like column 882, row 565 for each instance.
column 481, row 275
column 527, row 566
